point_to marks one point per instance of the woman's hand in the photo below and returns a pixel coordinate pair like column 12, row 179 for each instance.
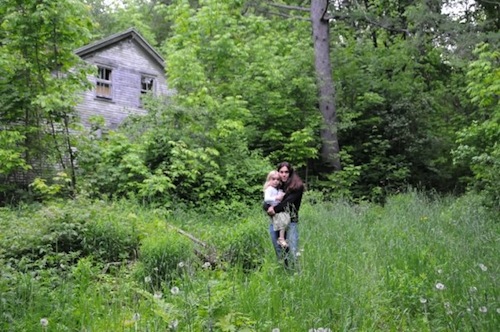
column 270, row 211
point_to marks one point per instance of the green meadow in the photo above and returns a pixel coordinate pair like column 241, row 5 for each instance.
column 418, row 263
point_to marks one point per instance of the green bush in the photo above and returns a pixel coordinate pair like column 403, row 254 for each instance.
column 243, row 244
column 110, row 240
column 163, row 256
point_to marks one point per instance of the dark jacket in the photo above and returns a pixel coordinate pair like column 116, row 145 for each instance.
column 290, row 203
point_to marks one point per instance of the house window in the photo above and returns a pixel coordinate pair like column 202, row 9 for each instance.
column 103, row 83
column 147, row 84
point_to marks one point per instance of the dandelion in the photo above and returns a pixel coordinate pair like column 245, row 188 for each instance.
column 483, row 267
column 206, row 265
column 423, row 300
column 483, row 309
column 44, row 322
column 157, row 295
column 136, row 317
column 440, row 286
column 174, row 290
column 147, row 279
column 173, row 324
column 180, row 265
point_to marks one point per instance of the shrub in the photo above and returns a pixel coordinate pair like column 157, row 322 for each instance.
column 161, row 254
column 244, row 246
column 110, row 240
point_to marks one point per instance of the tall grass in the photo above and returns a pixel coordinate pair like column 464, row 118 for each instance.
column 416, row 264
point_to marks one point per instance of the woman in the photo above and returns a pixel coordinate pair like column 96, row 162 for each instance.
column 293, row 186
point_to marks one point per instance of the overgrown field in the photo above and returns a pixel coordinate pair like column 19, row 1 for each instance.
column 416, row 264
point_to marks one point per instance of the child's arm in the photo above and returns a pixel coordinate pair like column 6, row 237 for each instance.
column 268, row 195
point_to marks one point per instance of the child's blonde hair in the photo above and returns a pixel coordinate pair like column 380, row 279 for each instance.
column 271, row 175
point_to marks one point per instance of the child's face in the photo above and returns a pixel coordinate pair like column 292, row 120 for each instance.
column 275, row 181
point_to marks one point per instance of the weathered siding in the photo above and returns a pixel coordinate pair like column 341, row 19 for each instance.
column 128, row 61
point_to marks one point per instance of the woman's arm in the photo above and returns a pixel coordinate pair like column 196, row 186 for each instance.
column 294, row 197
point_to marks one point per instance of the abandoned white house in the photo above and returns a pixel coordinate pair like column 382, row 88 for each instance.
column 127, row 68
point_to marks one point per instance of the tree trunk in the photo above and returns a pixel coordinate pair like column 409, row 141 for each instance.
column 321, row 38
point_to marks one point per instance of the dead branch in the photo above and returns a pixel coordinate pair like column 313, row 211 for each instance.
column 288, row 7
column 209, row 254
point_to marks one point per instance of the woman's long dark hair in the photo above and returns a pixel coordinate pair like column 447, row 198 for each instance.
column 294, row 181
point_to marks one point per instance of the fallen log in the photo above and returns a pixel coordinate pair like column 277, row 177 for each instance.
column 209, row 254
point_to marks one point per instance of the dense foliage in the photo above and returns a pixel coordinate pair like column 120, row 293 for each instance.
column 415, row 104
column 118, row 266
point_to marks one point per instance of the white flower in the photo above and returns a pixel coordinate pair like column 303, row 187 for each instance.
column 483, row 310
column 439, row 271
column 483, row 267
column 472, row 289
column 157, row 295
column 174, row 290
column 275, row 330
column 173, row 324
column 44, row 322
column 136, row 317
column 181, row 265
column 447, row 305
column 423, row 300
column 440, row 286
column 206, row 265
column 469, row 309
column 147, row 279
column 298, row 254
column 498, row 310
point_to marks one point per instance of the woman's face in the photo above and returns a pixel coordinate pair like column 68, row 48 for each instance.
column 284, row 174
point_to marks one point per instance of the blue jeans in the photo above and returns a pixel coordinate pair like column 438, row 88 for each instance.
column 292, row 237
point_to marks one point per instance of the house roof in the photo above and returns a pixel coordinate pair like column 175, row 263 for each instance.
column 130, row 33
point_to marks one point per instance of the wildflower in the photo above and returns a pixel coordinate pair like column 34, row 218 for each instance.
column 136, row 317
column 206, row 265
column 423, row 300
column 439, row 271
column 173, row 324
column 483, row 267
column 298, row 254
column 473, row 289
column 276, row 329
column 180, row 265
column 440, row 286
column 447, row 305
column 483, row 310
column 44, row 322
column 174, row 290
column 157, row 295
column 469, row 309
column 147, row 279
column 498, row 310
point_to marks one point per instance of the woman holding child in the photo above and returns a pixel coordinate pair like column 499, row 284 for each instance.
column 293, row 187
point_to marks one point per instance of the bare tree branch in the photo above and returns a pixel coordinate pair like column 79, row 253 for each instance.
column 288, row 7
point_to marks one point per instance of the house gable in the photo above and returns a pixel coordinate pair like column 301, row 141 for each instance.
column 127, row 67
